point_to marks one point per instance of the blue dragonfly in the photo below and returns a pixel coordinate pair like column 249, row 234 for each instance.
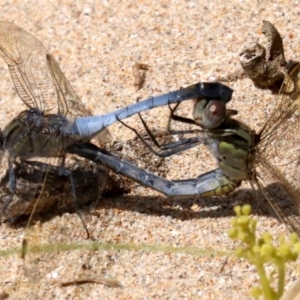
column 56, row 118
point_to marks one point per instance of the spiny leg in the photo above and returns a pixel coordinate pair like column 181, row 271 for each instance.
column 171, row 148
column 181, row 119
column 11, row 189
column 60, row 171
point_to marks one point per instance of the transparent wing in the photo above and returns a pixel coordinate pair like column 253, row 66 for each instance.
column 67, row 100
column 280, row 197
column 26, row 60
column 278, row 156
column 38, row 79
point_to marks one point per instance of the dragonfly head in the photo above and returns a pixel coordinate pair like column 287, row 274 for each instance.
column 209, row 114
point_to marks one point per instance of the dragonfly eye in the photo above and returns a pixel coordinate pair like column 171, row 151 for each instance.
column 209, row 114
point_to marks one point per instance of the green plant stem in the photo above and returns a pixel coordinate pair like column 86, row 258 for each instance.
column 265, row 283
column 281, row 278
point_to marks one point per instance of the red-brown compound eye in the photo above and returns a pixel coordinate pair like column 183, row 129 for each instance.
column 211, row 115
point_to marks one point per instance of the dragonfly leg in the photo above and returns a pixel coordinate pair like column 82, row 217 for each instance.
column 70, row 176
column 169, row 145
column 12, row 178
column 171, row 148
column 60, row 170
column 181, row 119
column 173, row 117
column 185, row 143
column 66, row 172
column 12, row 187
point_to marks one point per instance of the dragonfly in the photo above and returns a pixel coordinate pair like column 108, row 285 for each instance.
column 41, row 136
column 43, row 88
column 263, row 158
column 55, row 117
column 268, row 156
column 213, row 115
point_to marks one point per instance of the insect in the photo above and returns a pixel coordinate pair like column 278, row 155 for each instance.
column 269, row 156
column 56, row 119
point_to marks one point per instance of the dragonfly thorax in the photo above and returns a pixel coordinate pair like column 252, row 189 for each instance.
column 33, row 133
column 47, row 123
column 233, row 149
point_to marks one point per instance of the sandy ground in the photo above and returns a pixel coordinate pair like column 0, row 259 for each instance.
column 156, row 247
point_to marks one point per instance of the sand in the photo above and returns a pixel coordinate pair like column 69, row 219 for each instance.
column 157, row 247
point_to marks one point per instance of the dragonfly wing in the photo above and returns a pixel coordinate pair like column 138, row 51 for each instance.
column 278, row 156
column 37, row 77
column 26, row 59
column 69, row 103
column 279, row 196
